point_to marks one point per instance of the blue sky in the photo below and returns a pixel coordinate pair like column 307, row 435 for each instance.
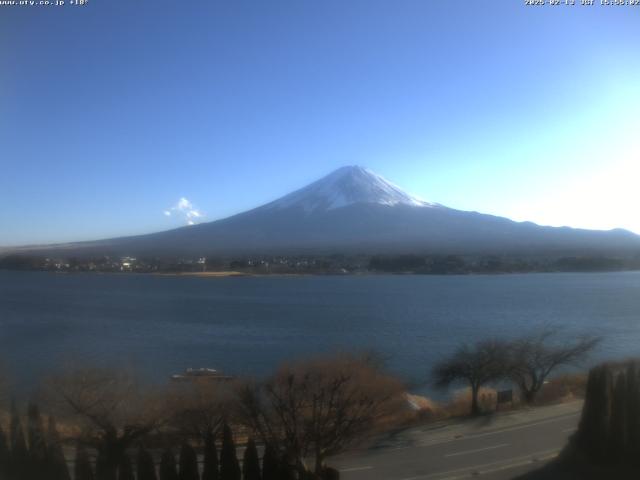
column 112, row 112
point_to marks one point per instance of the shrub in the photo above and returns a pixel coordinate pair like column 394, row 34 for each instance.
column 229, row 466
column 146, row 468
column 251, row 462
column 58, row 469
column 19, row 459
column 4, row 455
column 270, row 464
column 168, row 468
column 210, row 468
column 125, row 469
column 188, row 463
column 82, row 464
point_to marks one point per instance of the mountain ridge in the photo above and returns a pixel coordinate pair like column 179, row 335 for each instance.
column 354, row 210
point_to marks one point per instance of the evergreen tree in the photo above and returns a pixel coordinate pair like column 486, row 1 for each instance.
column 82, row 466
column 210, row 470
column 270, row 464
column 251, row 462
column 146, row 468
column 104, row 470
column 188, row 463
column 229, row 466
column 593, row 431
column 125, row 468
column 4, row 454
column 19, row 460
column 618, row 438
column 285, row 470
column 38, row 467
column 633, row 413
column 329, row 473
column 57, row 463
column 168, row 469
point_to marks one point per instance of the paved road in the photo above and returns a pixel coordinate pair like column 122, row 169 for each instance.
column 498, row 447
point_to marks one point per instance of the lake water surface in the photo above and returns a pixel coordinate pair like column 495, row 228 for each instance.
column 163, row 324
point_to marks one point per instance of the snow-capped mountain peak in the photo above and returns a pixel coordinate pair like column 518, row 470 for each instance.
column 347, row 186
column 353, row 210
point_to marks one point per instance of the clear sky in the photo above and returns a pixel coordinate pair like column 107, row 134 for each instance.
column 131, row 116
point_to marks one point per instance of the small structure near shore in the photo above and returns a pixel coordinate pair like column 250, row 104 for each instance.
column 201, row 374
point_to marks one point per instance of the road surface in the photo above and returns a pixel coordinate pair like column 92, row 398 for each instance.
column 498, row 447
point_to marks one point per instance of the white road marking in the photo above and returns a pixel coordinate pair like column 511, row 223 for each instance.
column 505, row 464
column 497, row 432
column 501, row 468
column 467, row 452
column 489, row 467
column 356, row 469
column 567, row 430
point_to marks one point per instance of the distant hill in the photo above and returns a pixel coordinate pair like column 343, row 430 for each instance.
column 354, row 210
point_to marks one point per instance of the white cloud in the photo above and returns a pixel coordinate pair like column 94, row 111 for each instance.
column 184, row 204
column 185, row 210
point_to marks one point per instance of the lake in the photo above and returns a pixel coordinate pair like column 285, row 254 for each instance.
column 247, row 325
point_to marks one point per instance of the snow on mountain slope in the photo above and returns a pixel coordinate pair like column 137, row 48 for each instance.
column 347, row 186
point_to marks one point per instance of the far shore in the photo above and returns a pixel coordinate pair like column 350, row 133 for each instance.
column 229, row 273
column 362, row 273
column 224, row 274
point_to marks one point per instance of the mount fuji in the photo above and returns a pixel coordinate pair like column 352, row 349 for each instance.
column 354, row 210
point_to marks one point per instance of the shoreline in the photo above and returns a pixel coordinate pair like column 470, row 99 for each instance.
column 227, row 274
column 235, row 273
column 222, row 274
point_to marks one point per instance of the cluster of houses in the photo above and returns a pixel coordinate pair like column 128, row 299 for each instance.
column 256, row 264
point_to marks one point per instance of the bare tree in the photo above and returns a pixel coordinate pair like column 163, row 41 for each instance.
column 114, row 411
column 317, row 408
column 533, row 358
column 475, row 365
column 200, row 408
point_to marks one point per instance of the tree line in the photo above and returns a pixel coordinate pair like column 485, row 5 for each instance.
column 39, row 456
column 424, row 264
column 288, row 424
column 527, row 362
column 488, row 264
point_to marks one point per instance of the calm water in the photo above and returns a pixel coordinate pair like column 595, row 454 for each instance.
column 162, row 325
